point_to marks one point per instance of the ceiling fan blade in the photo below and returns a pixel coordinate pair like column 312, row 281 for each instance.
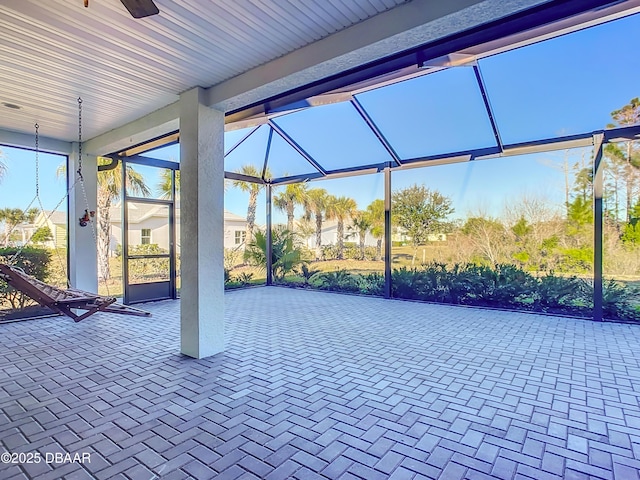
column 140, row 8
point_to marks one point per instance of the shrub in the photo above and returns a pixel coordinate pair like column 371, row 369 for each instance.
column 503, row 286
column 433, row 283
column 372, row 284
column 403, row 283
column 617, row 301
column 244, row 278
column 341, row 281
column 329, row 252
column 285, row 254
column 306, row 273
column 232, row 258
column 35, row 262
column 469, row 284
column 42, row 235
column 148, row 269
column 351, row 251
column 576, row 259
column 562, row 294
column 146, row 249
column 465, row 284
column 512, row 286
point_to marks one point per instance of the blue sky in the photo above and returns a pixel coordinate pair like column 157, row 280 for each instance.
column 563, row 86
column 18, row 187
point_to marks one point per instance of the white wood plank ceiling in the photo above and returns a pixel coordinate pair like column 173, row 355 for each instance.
column 53, row 51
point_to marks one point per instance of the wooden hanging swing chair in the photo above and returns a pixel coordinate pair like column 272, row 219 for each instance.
column 63, row 301
column 58, row 299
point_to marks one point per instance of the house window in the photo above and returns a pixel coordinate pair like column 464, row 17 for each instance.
column 241, row 235
column 145, row 236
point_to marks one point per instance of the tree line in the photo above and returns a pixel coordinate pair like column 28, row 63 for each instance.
column 530, row 233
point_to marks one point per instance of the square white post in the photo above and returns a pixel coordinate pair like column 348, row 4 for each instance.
column 201, row 226
column 83, row 256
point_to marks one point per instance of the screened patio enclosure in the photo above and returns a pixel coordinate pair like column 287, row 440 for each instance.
column 543, row 95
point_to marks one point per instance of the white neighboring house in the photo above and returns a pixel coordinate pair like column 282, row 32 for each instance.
column 330, row 234
column 149, row 224
column 400, row 235
column 57, row 223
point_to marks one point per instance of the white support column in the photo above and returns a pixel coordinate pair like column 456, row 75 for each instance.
column 83, row 258
column 201, row 226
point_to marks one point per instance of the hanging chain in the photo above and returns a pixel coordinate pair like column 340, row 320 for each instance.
column 12, row 259
column 80, row 179
column 80, row 137
column 37, row 161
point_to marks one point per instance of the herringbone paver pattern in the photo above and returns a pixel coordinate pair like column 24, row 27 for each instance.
column 319, row 385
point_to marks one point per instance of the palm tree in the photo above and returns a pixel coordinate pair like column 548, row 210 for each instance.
column 340, row 209
column 286, row 201
column 360, row 225
column 315, row 204
column 109, row 190
column 164, row 185
column 254, row 190
column 11, row 218
column 375, row 211
column 285, row 255
column 30, row 215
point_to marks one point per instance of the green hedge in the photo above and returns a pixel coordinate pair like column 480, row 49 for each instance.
column 35, row 262
column 501, row 286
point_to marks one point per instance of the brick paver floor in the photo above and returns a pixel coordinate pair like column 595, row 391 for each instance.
column 320, row 385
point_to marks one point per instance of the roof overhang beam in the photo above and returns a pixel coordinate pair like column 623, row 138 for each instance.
column 45, row 144
column 243, row 178
column 549, row 145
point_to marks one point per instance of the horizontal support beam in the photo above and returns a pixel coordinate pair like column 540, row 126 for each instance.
column 548, row 145
column 163, row 141
column 332, row 174
column 621, row 134
column 154, row 125
column 361, row 170
column 433, row 162
column 45, row 144
column 153, row 201
column 243, row 178
column 446, row 158
column 317, row 101
column 150, row 161
column 297, row 179
column 612, row 135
